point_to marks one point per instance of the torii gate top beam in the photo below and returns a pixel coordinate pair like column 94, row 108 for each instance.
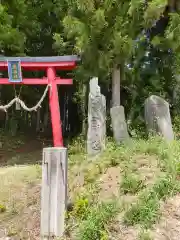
column 42, row 63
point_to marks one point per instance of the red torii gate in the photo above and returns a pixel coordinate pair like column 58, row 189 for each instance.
column 50, row 65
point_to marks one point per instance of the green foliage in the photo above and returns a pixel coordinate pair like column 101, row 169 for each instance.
column 90, row 24
column 2, row 208
column 144, row 212
column 76, row 146
column 166, row 186
column 172, row 32
column 94, row 226
column 10, row 38
column 131, row 183
column 176, row 125
column 81, row 209
column 154, row 11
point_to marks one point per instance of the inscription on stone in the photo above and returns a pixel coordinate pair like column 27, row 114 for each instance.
column 96, row 119
column 95, row 124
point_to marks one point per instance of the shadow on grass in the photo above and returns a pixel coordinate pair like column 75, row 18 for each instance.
column 18, row 151
column 22, row 159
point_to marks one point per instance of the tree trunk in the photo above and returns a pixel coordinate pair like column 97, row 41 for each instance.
column 174, row 5
column 83, row 130
column 84, row 104
column 118, row 120
column 116, row 79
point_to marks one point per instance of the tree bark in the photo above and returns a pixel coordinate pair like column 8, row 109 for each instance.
column 173, row 5
column 84, row 104
column 116, row 80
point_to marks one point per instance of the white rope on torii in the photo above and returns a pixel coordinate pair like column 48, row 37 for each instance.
column 23, row 105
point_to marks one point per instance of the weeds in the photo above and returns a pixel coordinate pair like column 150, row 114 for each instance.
column 144, row 212
column 166, row 186
column 81, row 208
column 94, row 227
column 131, row 183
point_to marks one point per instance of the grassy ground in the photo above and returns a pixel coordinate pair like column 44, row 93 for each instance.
column 129, row 192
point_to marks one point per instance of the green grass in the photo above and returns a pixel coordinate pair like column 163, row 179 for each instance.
column 147, row 209
column 131, row 183
column 144, row 212
column 94, row 226
column 92, row 215
column 14, row 182
column 167, row 186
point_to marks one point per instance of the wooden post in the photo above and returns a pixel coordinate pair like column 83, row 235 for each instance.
column 54, row 192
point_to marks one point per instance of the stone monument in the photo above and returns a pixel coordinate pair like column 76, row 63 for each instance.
column 157, row 117
column 119, row 124
column 96, row 119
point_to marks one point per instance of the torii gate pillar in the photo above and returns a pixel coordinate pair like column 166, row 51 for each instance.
column 54, row 108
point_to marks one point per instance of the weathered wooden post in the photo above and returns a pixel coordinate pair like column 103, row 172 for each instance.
column 54, row 192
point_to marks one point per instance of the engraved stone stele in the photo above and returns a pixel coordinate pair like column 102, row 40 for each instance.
column 96, row 119
column 157, row 117
column 119, row 124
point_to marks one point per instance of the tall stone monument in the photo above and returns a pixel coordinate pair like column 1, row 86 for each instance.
column 119, row 124
column 157, row 117
column 96, row 119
